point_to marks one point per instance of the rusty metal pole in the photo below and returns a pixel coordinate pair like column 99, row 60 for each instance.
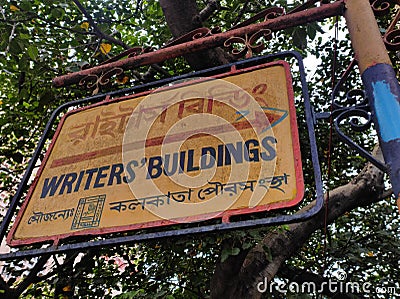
column 380, row 82
column 200, row 44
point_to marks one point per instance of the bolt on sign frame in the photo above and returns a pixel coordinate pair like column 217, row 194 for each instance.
column 196, row 223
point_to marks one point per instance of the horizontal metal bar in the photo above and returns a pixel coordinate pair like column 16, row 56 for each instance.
column 215, row 40
column 164, row 234
column 322, row 115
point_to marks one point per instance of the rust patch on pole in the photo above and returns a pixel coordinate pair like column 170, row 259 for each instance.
column 277, row 24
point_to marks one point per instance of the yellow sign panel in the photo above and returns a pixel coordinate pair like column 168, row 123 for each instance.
column 196, row 150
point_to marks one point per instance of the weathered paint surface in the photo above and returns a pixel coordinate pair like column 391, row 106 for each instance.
column 101, row 176
column 383, row 90
column 365, row 35
column 387, row 109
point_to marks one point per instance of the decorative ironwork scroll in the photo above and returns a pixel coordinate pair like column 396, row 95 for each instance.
column 265, row 15
column 262, row 24
column 392, row 36
column 247, row 33
column 192, row 35
column 356, row 109
column 135, row 51
column 95, row 82
column 382, row 7
column 250, row 43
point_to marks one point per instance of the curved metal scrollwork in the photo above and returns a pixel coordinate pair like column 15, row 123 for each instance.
column 95, row 82
column 358, row 108
column 356, row 111
column 136, row 51
column 392, row 40
column 355, row 97
column 381, row 7
column 204, row 32
column 194, row 34
column 353, row 115
column 250, row 43
column 392, row 35
column 355, row 124
column 273, row 13
column 266, row 14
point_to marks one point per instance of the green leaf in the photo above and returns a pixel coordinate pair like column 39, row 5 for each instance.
column 300, row 38
column 24, row 94
column 24, row 36
column 224, row 255
column 33, row 52
column 255, row 234
column 15, row 48
column 26, row 5
column 311, row 31
column 58, row 13
column 226, row 252
column 46, row 97
column 235, row 251
column 246, row 245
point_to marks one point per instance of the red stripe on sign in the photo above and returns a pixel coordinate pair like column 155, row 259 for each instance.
column 258, row 125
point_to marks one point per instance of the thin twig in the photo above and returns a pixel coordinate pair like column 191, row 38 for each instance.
column 97, row 30
column 3, row 13
column 31, row 14
column 241, row 13
column 15, row 24
column 32, row 276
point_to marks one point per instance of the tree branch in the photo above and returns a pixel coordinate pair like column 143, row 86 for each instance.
column 209, row 10
column 363, row 190
column 11, row 37
column 110, row 38
column 31, row 14
column 241, row 13
column 96, row 28
column 32, row 276
column 183, row 17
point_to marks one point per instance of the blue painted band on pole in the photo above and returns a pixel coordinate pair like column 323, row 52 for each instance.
column 383, row 92
column 387, row 109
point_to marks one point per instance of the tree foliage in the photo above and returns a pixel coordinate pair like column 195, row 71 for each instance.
column 40, row 40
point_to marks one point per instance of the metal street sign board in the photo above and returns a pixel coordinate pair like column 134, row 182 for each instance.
column 187, row 152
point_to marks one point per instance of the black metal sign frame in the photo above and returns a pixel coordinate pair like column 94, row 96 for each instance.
column 170, row 231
